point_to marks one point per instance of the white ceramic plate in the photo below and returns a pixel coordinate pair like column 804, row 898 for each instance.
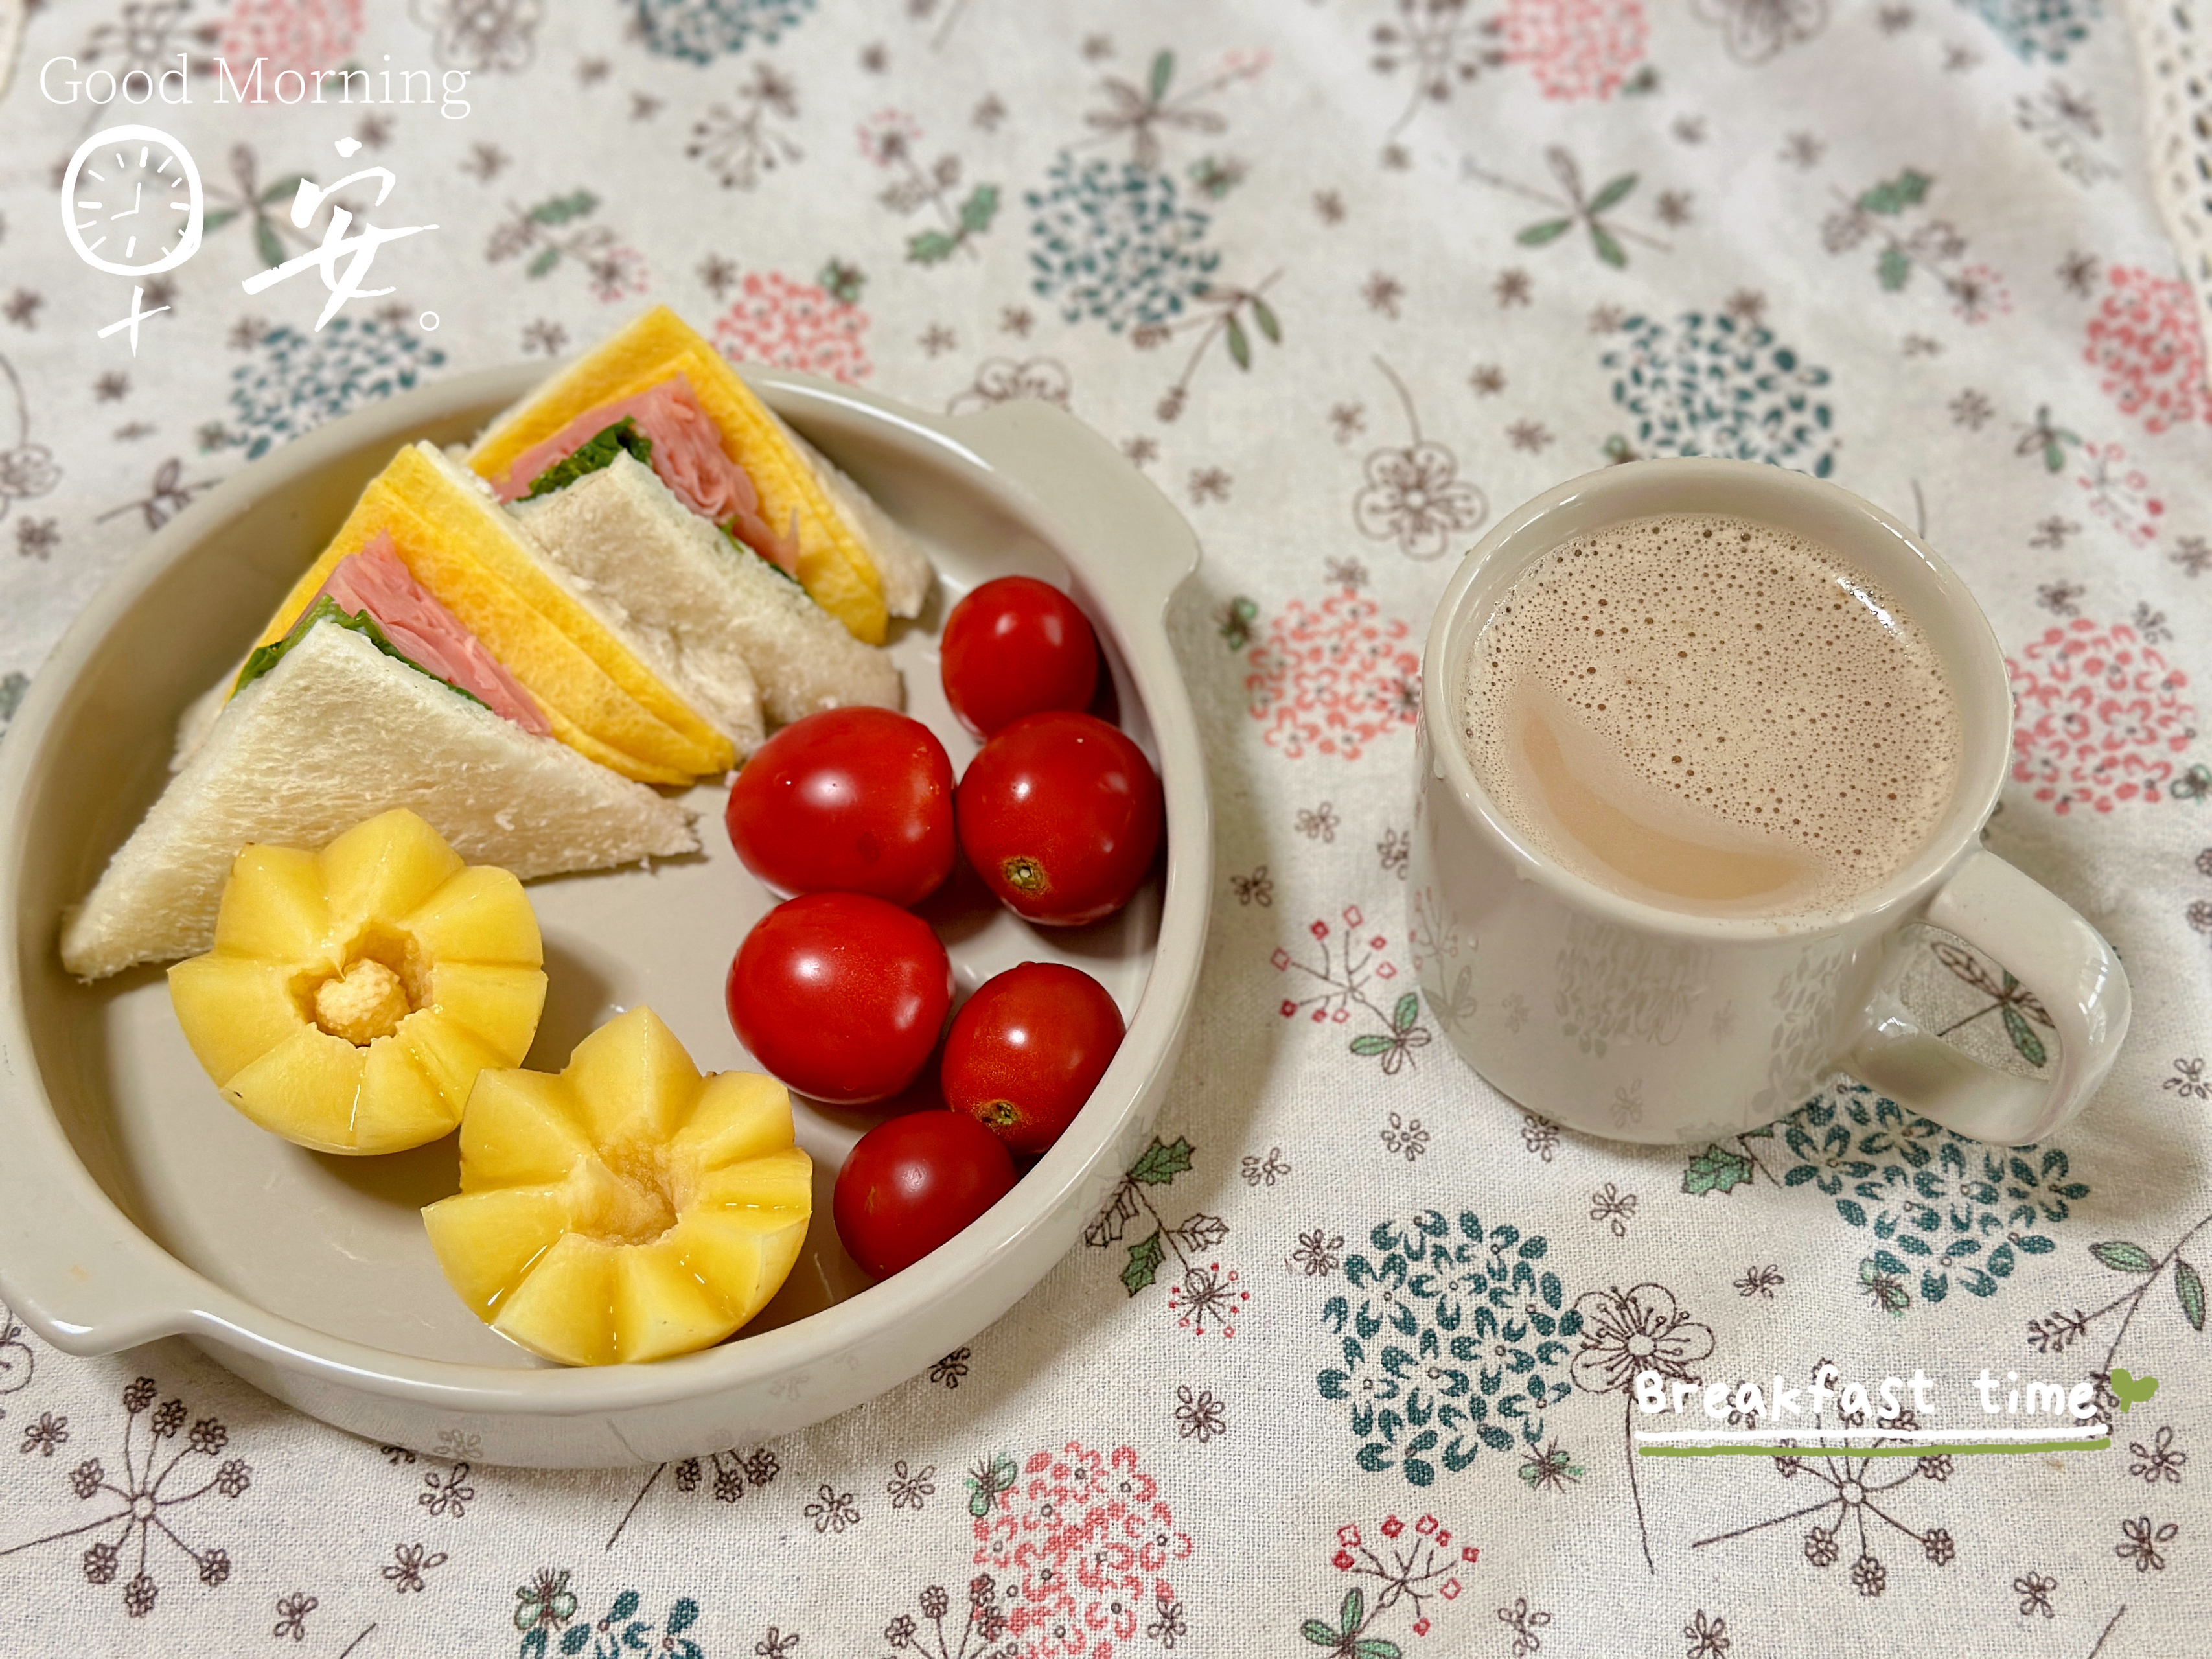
column 134, row 1203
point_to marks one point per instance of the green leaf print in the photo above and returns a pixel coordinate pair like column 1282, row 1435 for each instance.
column 1162, row 75
column 1716, row 1169
column 2023, row 1037
column 931, row 247
column 1893, row 268
column 1608, row 247
column 1240, row 344
column 1894, row 196
column 1142, row 1266
column 2123, row 1257
column 1264, row 314
column 1612, row 193
column 1549, row 230
column 2189, row 1286
column 1161, row 1161
column 1407, row 1011
column 559, row 209
column 978, row 210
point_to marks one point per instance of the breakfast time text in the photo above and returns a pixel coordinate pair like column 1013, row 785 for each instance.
column 1883, row 1402
column 63, row 82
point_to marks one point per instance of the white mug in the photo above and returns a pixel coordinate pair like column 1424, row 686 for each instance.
column 1627, row 1020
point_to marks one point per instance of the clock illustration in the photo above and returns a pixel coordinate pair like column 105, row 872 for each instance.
column 131, row 202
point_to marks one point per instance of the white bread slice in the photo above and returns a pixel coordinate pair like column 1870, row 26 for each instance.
column 621, row 534
column 719, row 687
column 337, row 733
column 901, row 565
column 199, row 718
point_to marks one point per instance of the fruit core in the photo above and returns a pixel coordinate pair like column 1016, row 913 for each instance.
column 1025, row 874
column 381, row 983
column 642, row 1201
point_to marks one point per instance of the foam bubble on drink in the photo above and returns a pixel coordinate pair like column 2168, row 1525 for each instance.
column 1719, row 712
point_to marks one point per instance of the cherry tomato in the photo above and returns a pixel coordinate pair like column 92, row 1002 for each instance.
column 1017, row 647
column 1061, row 815
column 1026, row 1050
column 912, row 1183
column 855, row 800
column 841, row 996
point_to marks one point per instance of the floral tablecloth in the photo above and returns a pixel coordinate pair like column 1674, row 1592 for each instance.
column 1345, row 1367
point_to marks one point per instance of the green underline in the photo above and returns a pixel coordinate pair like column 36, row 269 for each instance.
column 1930, row 1450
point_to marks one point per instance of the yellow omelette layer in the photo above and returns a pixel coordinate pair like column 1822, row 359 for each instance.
column 834, row 568
column 598, row 696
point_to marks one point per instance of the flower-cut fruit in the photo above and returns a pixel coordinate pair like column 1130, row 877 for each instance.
column 627, row 1209
column 354, row 994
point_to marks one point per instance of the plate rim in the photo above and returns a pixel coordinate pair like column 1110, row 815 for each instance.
column 180, row 1300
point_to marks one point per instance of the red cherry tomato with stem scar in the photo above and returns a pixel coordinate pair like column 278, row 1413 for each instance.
column 1027, row 1049
column 1061, row 815
column 912, row 1183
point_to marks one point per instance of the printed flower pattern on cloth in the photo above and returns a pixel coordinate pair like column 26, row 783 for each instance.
column 1457, row 1342
column 701, row 31
column 2103, row 721
column 1111, row 243
column 2145, row 341
column 1708, row 385
column 294, row 34
column 163, row 1469
column 544, row 1607
column 483, row 36
column 1757, row 30
column 2033, row 29
column 1574, row 48
column 1083, row 1544
column 793, row 325
column 1400, row 1572
column 1859, row 1500
column 294, row 382
column 1413, row 496
column 1332, row 678
column 1964, row 1212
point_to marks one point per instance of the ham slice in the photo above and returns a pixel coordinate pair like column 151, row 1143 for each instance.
column 425, row 632
column 687, row 456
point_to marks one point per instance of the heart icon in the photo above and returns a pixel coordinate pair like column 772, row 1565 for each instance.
column 2130, row 1390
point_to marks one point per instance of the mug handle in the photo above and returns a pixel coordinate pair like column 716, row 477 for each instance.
column 2053, row 953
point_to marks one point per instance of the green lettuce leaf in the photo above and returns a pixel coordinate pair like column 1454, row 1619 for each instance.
column 327, row 610
column 594, row 453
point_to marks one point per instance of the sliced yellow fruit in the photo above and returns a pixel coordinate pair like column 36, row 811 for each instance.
column 627, row 1209
column 234, row 1009
column 597, row 694
column 306, row 1088
column 834, row 568
column 564, row 1308
column 498, row 1004
column 475, row 917
column 500, row 1236
column 519, row 1131
column 275, row 907
column 353, row 995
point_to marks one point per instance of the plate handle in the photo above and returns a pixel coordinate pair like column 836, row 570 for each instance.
column 73, row 1267
column 1139, row 546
